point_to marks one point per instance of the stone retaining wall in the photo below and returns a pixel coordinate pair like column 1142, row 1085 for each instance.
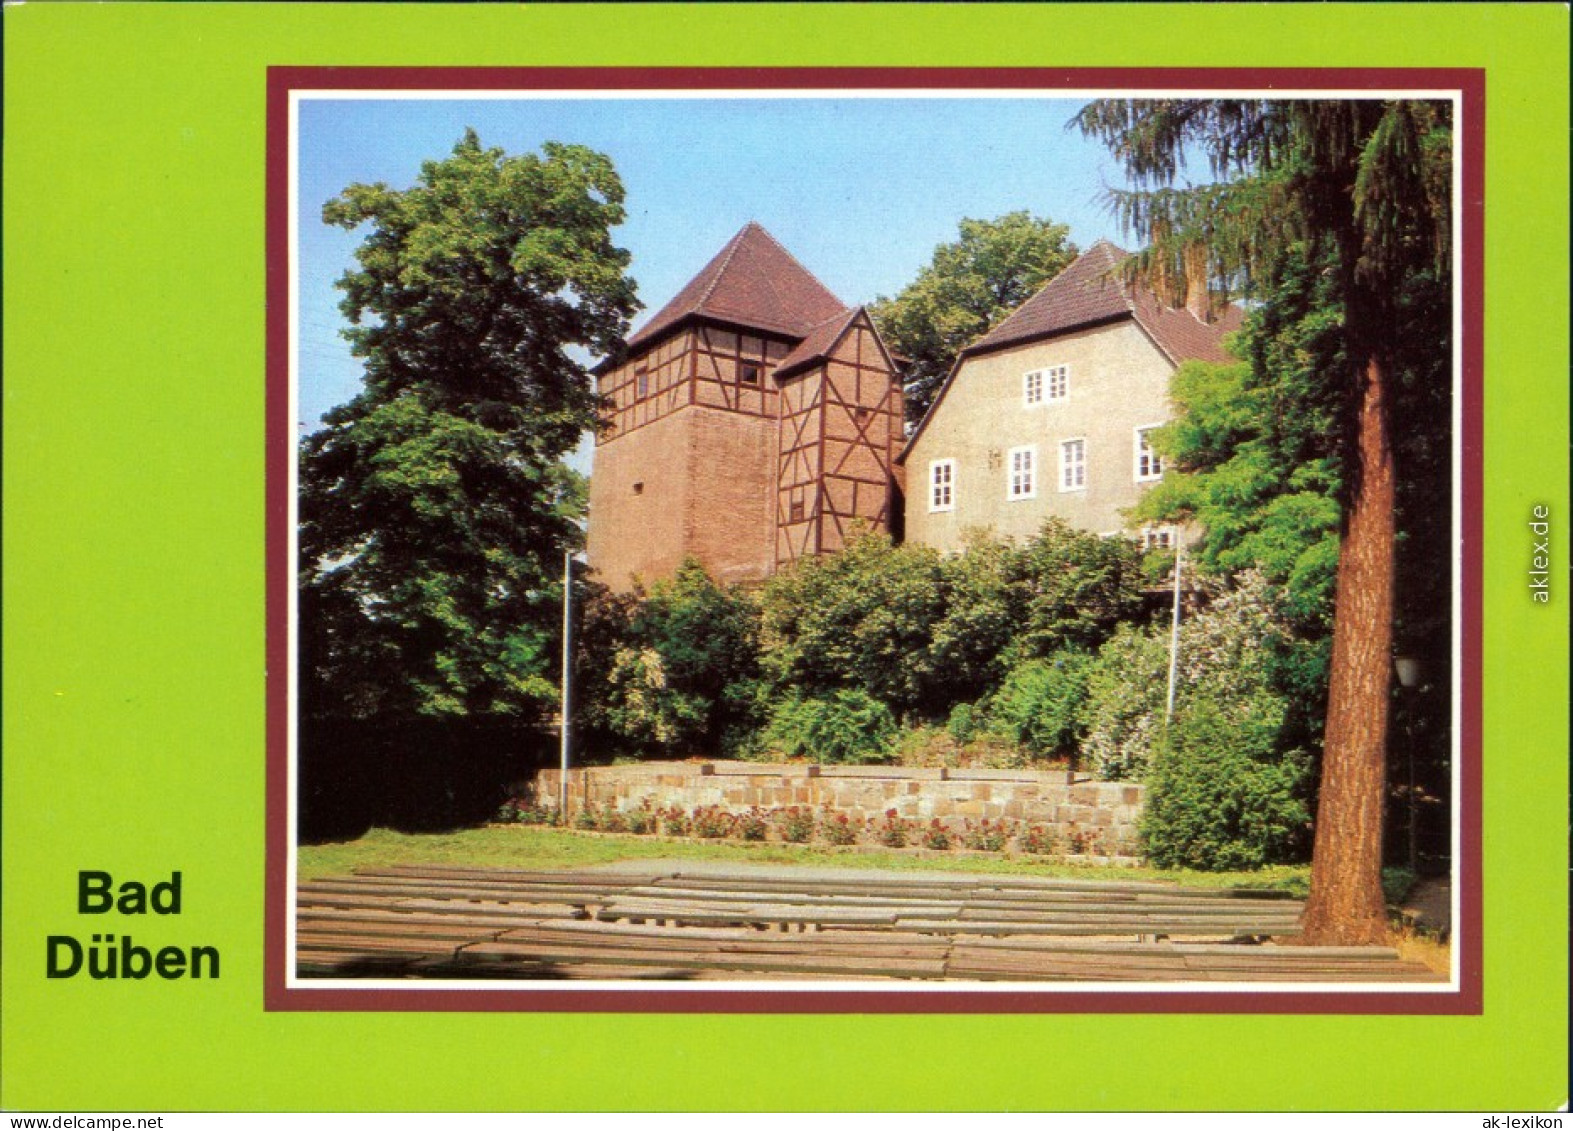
column 1050, row 798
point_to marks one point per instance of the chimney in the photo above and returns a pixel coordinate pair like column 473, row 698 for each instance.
column 1197, row 300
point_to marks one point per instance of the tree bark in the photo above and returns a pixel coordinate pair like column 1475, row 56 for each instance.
column 1346, row 906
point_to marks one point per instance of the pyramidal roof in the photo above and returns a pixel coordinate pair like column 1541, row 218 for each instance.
column 1090, row 291
column 753, row 281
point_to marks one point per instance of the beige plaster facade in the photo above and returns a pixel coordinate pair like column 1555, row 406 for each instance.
column 1009, row 465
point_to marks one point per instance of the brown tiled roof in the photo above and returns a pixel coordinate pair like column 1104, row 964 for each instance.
column 1091, row 292
column 1084, row 293
column 753, row 281
column 817, row 346
column 1183, row 336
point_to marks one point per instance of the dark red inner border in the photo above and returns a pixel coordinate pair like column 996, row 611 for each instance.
column 1470, row 132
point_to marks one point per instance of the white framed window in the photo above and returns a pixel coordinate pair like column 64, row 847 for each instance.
column 1073, row 465
column 1157, row 537
column 1147, row 464
column 1022, row 476
column 942, row 485
column 1046, row 385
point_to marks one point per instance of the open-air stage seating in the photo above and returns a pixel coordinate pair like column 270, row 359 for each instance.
column 682, row 920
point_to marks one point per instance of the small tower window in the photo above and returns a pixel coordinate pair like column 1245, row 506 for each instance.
column 796, row 511
column 639, row 488
column 749, row 372
column 641, row 383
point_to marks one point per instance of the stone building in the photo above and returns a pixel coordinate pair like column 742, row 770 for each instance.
column 754, row 419
column 1049, row 414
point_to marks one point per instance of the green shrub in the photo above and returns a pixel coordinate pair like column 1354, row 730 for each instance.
column 1040, row 704
column 965, row 723
column 1124, row 704
column 926, row 746
column 1219, row 796
column 849, row 726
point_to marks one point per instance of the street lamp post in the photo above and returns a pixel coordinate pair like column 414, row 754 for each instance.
column 1408, row 670
column 1174, row 627
column 567, row 702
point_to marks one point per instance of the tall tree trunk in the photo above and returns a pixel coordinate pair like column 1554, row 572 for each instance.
column 1346, row 906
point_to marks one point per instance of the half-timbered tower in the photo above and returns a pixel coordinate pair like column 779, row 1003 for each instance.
column 754, row 420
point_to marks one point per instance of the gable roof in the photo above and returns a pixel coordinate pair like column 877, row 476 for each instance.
column 752, row 281
column 1083, row 294
column 1089, row 293
column 817, row 346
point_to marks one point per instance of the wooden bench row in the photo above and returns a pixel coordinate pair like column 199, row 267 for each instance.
column 470, row 922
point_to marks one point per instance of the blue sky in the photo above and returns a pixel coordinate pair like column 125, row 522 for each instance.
column 859, row 190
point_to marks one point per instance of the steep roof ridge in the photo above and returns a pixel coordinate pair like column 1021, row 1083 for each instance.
column 1066, row 301
column 796, row 262
column 732, row 286
column 725, row 260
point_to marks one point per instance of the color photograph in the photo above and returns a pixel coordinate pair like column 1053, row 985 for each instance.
column 784, row 557
column 1062, row 593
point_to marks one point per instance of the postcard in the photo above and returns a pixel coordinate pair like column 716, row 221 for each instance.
column 927, row 537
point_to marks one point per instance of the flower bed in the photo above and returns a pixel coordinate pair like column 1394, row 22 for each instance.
column 800, row 825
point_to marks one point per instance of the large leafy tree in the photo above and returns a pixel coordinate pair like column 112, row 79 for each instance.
column 968, row 286
column 1366, row 182
column 434, row 507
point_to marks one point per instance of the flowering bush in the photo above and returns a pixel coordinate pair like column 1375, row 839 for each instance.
column 893, row 831
column 712, row 823
column 1085, row 842
column 1039, row 841
column 796, row 824
column 753, row 825
column 1227, row 653
column 641, row 821
column 936, row 836
column 987, row 835
column 675, row 822
column 611, row 819
column 838, row 828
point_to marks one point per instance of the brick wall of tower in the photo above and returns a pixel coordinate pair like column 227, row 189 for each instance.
column 639, row 500
column 694, row 464
column 731, row 466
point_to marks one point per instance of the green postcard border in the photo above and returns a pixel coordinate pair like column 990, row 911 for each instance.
column 134, row 567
